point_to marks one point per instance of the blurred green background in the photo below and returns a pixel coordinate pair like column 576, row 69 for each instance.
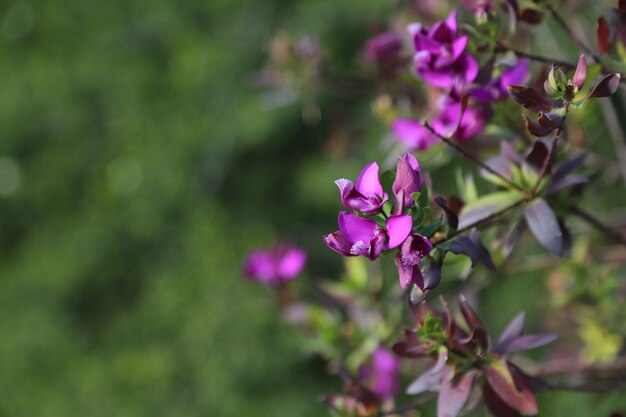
column 138, row 166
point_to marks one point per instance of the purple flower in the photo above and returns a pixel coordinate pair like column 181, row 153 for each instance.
column 413, row 134
column 478, row 6
column 496, row 89
column 411, row 253
column 381, row 375
column 447, row 122
column 408, row 180
column 358, row 236
column 367, row 194
column 440, row 57
column 275, row 266
column 383, row 48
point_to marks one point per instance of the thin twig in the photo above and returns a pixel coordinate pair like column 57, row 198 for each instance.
column 471, row 157
column 538, row 58
column 589, row 218
column 573, row 35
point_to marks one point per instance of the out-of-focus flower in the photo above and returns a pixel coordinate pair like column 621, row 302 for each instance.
column 440, row 56
column 413, row 134
column 478, row 6
column 496, row 89
column 383, row 48
column 408, row 180
column 411, row 253
column 364, row 237
column 275, row 266
column 447, row 122
column 367, row 194
column 381, row 375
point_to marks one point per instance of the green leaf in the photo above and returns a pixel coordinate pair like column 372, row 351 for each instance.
column 431, row 229
column 386, row 180
column 486, row 206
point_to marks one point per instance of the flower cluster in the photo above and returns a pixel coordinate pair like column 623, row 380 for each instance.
column 443, row 61
column 464, row 358
column 373, row 230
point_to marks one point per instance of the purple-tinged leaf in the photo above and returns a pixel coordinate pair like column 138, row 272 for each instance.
column 430, row 380
column 511, row 391
column 544, row 225
column 568, row 166
column 581, row 73
column 495, row 405
column 538, row 154
column 567, row 236
column 602, row 35
column 475, row 324
column 534, row 128
column 606, row 87
column 512, row 237
column 530, row 98
column 551, row 121
column 528, row 342
column 569, row 181
column 432, row 275
column 451, row 216
column 418, row 294
column 512, row 330
column 454, row 394
column 486, row 206
column 484, row 256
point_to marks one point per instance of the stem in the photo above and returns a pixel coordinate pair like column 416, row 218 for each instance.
column 407, row 407
column 487, row 219
column 538, row 58
column 471, row 157
column 575, row 38
column 608, row 231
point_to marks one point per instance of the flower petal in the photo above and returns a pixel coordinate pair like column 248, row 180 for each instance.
column 338, row 242
column 398, row 229
column 291, row 263
column 368, row 182
column 408, row 178
column 356, row 229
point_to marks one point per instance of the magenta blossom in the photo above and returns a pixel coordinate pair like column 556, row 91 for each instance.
column 408, row 180
column 411, row 253
column 383, row 48
column 364, row 237
column 275, row 266
column 381, row 375
column 496, row 89
column 440, row 56
column 413, row 134
column 478, row 6
column 367, row 194
column 447, row 122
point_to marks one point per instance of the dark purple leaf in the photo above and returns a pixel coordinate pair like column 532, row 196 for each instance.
column 496, row 406
column 606, row 87
column 432, row 275
column 568, row 166
column 530, row 16
column 602, row 35
column 418, row 294
column 550, row 121
column 581, row 73
column 501, row 164
column 475, row 324
column 454, row 394
column 544, row 225
column 527, row 342
column 463, row 245
column 538, row 154
column 483, row 254
column 530, row 98
column 451, row 217
column 567, row 236
column 514, row 392
column 513, row 329
column 534, row 128
column 485, row 206
column 570, row 181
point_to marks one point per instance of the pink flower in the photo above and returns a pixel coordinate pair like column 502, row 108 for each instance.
column 367, row 194
column 275, row 266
